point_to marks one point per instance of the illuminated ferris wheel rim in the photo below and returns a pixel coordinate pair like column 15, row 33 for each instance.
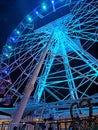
column 35, row 15
column 39, row 13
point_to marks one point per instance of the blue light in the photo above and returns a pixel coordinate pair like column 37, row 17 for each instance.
column 37, row 12
column 18, row 32
column 6, row 71
column 52, row 1
column 7, row 55
column 13, row 39
column 44, row 7
column 9, row 47
column 29, row 19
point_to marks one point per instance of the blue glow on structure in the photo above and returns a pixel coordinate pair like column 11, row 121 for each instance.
column 52, row 1
column 37, row 12
column 6, row 71
column 7, row 55
column 44, row 7
column 62, row 0
column 18, row 32
column 29, row 18
column 9, row 47
column 13, row 39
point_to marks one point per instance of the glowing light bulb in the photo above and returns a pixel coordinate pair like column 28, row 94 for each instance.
column 29, row 18
column 36, row 12
column 9, row 47
column 7, row 55
column 52, row 1
column 6, row 71
column 13, row 39
column 44, row 6
column 17, row 32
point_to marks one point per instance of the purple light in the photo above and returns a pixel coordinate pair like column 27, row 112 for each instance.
column 6, row 71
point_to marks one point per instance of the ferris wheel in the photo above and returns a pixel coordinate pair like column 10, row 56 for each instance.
column 67, row 30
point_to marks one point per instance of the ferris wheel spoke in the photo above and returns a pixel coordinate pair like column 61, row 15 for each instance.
column 82, row 93
column 93, row 78
column 84, row 80
column 52, row 93
column 78, row 72
column 90, row 20
column 81, row 54
column 45, row 71
column 23, row 59
column 21, row 79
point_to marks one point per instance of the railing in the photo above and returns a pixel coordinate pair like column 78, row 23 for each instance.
column 82, row 124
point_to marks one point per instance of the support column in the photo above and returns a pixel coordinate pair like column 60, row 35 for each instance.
column 29, row 89
column 45, row 72
column 71, row 83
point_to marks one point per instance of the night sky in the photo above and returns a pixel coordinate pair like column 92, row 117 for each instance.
column 11, row 14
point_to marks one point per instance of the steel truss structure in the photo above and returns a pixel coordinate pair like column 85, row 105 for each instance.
column 67, row 72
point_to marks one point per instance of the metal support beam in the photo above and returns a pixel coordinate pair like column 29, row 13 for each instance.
column 29, row 88
column 71, row 84
column 46, row 69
